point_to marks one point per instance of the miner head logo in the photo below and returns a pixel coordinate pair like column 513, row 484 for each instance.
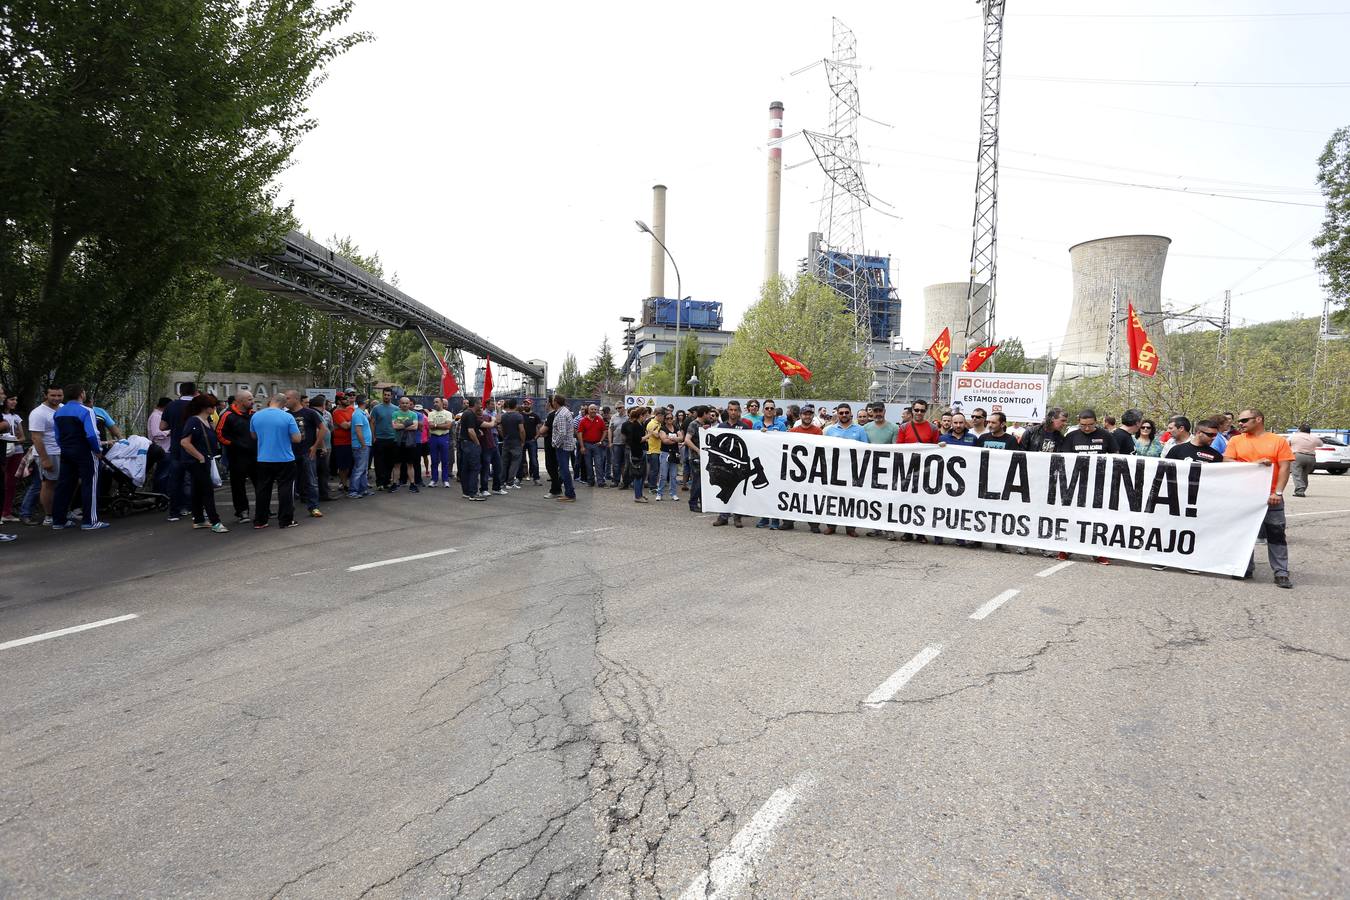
column 730, row 466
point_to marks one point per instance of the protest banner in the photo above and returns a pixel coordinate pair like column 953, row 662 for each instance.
column 1022, row 398
column 1173, row 513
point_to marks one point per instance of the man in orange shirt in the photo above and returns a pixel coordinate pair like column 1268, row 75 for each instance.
column 1254, row 444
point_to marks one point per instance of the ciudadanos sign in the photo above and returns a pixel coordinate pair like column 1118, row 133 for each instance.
column 1174, row 513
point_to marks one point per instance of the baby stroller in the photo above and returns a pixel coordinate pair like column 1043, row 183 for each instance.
column 124, row 463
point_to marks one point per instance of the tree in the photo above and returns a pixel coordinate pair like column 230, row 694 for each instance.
column 139, row 144
column 660, row 381
column 803, row 319
column 603, row 376
column 1333, row 242
column 570, row 381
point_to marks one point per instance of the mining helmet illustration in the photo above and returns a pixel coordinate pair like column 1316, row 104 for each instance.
column 730, row 466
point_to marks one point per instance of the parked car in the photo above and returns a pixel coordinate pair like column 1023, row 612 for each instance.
column 1333, row 456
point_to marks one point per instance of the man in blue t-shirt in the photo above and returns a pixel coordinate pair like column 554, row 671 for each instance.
column 385, row 448
column 844, row 427
column 276, row 433
column 358, row 484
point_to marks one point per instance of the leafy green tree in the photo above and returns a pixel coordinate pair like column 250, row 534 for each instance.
column 803, row 319
column 571, row 383
column 1333, row 242
column 139, row 144
column 659, row 380
column 603, row 376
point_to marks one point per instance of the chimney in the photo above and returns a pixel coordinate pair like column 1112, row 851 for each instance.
column 775, row 190
column 658, row 286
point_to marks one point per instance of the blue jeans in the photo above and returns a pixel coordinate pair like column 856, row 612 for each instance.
column 307, row 480
column 565, row 471
column 30, row 499
column 653, row 469
column 179, row 484
column 596, row 460
column 616, row 458
column 440, row 457
column 695, row 486
column 492, row 468
column 359, row 480
column 639, row 463
column 470, row 464
column 665, row 478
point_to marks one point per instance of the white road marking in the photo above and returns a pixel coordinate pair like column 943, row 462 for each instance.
column 994, row 604
column 390, row 562
column 730, row 871
column 1325, row 512
column 891, row 686
column 594, row 530
column 1057, row 567
column 64, row 631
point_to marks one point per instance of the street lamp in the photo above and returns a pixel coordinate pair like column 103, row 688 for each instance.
column 873, row 388
column 692, row 382
column 783, row 386
column 679, row 299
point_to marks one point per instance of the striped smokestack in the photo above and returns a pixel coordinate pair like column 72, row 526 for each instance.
column 658, row 285
column 775, row 190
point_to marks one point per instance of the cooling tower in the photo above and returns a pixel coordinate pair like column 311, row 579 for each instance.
column 1133, row 265
column 775, row 196
column 944, row 306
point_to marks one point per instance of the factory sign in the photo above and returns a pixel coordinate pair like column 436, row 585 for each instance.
column 1022, row 398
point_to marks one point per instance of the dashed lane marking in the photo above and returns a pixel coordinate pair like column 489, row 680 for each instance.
column 64, row 631
column 1324, row 512
column 731, row 870
column 994, row 604
column 401, row 559
column 593, row 530
column 1057, row 567
column 891, row 686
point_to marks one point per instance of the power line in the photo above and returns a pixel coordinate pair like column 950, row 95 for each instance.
column 1135, row 82
column 1193, row 16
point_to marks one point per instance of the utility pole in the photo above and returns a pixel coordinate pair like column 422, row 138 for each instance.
column 1225, row 328
column 1112, row 341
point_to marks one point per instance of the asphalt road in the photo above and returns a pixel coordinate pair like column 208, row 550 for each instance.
column 611, row 700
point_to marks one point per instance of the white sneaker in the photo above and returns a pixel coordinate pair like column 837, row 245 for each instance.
column 500, row 493
column 484, row 493
column 658, row 498
column 434, row 484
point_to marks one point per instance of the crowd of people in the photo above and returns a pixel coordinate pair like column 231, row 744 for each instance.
column 293, row 446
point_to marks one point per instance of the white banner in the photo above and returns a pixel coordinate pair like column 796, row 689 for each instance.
column 893, row 410
column 1022, row 398
column 1202, row 516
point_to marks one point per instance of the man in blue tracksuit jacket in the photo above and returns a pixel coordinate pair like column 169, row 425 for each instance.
column 77, row 434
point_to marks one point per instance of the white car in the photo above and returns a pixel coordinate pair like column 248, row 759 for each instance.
column 1333, row 456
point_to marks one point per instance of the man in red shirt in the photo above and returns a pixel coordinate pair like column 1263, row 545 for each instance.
column 591, row 428
column 918, row 430
column 342, row 438
column 807, row 423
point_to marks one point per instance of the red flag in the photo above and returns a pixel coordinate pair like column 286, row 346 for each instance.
column 1143, row 355
column 941, row 351
column 977, row 357
column 487, row 383
column 449, row 386
column 790, row 366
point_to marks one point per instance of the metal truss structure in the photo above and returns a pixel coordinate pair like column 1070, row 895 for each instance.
column 310, row 273
column 845, row 188
column 984, row 239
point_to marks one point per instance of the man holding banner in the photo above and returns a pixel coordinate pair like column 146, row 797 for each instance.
column 1254, row 444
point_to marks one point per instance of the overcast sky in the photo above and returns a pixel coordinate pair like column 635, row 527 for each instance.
column 496, row 156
